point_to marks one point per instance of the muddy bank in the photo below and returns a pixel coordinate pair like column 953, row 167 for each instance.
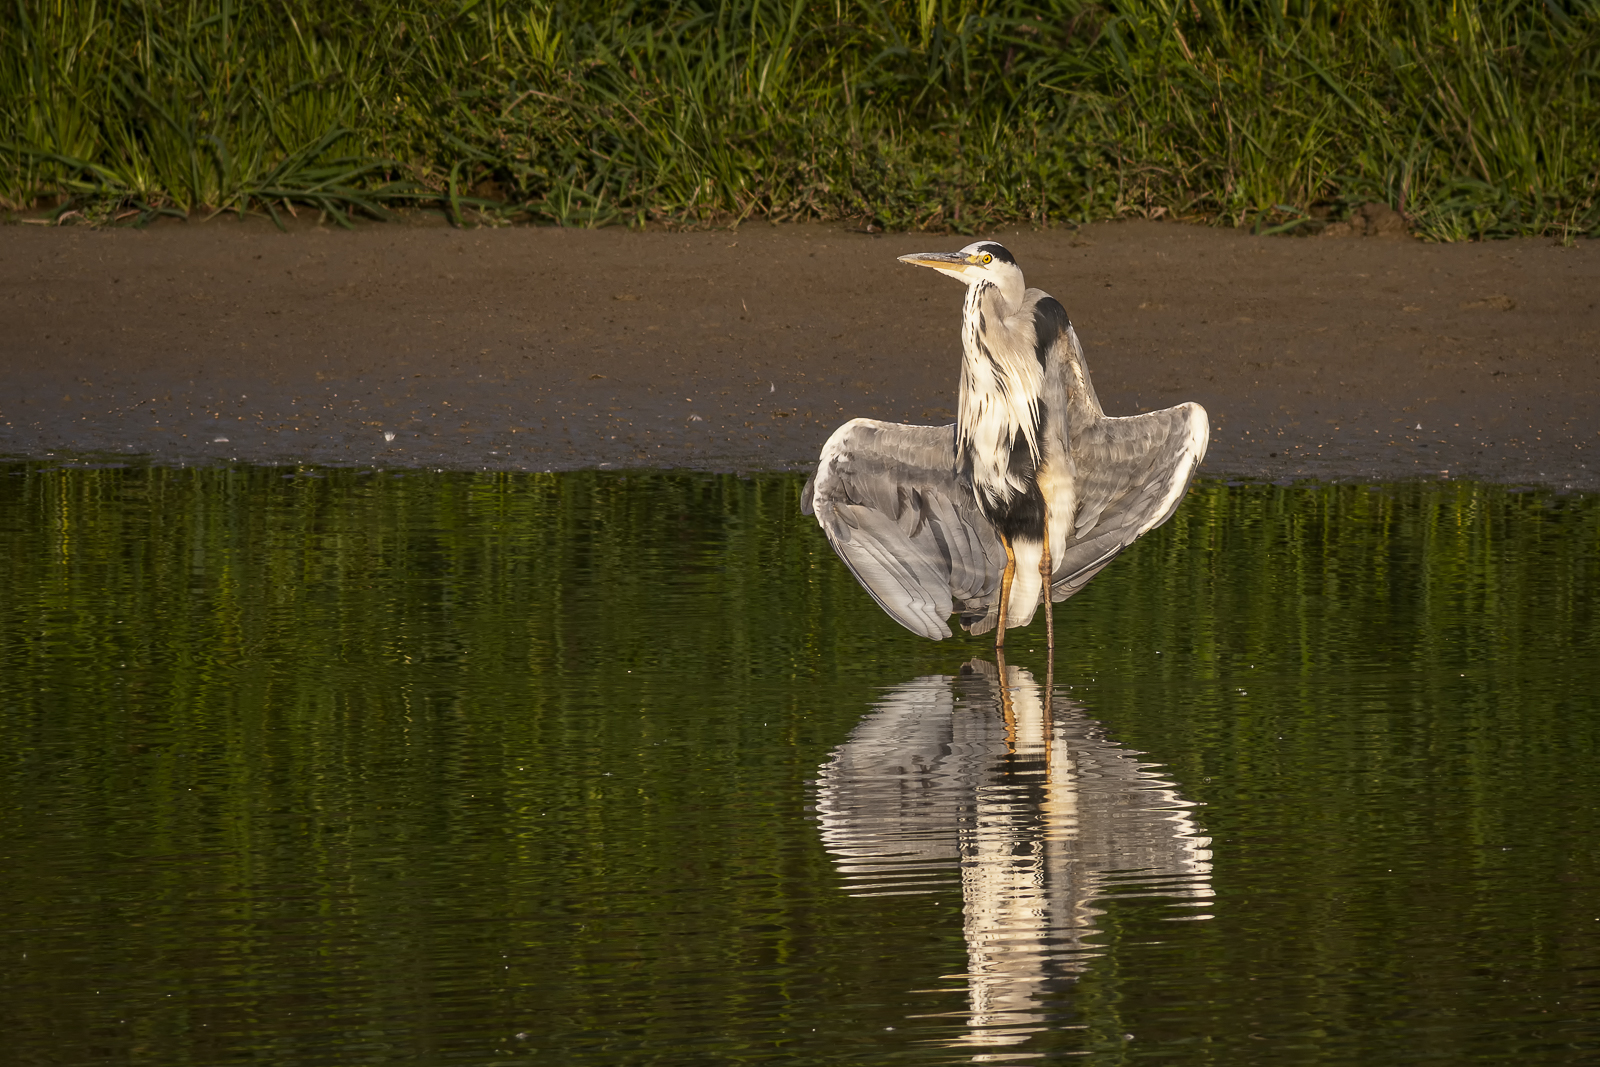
column 1355, row 358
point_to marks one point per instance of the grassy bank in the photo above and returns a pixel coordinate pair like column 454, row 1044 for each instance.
column 1474, row 120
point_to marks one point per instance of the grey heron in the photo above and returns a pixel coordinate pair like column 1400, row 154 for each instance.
column 1026, row 496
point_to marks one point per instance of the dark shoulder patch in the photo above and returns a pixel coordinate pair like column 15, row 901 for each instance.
column 999, row 252
column 1049, row 323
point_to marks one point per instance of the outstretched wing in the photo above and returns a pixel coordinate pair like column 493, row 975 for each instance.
column 1131, row 475
column 888, row 498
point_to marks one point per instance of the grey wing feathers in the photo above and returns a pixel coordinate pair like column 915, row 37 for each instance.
column 888, row 498
column 1132, row 474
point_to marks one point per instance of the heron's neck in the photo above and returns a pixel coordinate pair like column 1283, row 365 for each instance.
column 998, row 418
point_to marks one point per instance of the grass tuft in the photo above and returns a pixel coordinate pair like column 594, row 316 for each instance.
column 1472, row 120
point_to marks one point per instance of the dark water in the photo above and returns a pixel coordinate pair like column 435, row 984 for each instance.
column 345, row 767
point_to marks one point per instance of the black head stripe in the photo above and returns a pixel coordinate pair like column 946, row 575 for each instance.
column 998, row 252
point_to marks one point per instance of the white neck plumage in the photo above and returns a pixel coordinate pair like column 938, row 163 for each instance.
column 998, row 421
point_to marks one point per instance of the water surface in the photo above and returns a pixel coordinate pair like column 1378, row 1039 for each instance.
column 334, row 766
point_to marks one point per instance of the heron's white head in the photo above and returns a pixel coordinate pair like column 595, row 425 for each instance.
column 981, row 261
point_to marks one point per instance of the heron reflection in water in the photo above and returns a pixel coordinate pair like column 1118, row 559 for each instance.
column 1026, row 496
column 978, row 781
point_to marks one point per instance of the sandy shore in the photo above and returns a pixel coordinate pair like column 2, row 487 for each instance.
column 1338, row 359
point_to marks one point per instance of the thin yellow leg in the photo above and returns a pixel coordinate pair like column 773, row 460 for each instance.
column 1049, row 714
column 1007, row 711
column 1045, row 569
column 1005, row 593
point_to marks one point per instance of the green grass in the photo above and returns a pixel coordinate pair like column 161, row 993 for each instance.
column 1474, row 120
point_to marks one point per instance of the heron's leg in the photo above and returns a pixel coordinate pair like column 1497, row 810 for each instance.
column 1008, row 711
column 1005, row 593
column 1045, row 571
column 1049, row 688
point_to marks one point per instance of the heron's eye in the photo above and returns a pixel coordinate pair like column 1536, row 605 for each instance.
column 987, row 258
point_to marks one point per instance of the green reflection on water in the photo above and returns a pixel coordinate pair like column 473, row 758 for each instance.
column 335, row 765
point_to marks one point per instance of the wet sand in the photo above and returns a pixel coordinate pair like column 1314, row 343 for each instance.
column 1338, row 359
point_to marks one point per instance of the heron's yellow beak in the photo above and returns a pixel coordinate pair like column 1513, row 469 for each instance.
column 949, row 261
